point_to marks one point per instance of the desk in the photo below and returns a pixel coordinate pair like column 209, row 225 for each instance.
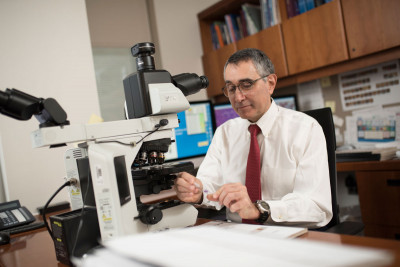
column 378, row 185
column 36, row 247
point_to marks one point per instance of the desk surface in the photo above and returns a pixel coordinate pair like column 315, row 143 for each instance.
column 387, row 165
column 36, row 247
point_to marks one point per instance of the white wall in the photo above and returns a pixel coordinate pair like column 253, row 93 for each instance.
column 115, row 26
column 44, row 51
column 178, row 36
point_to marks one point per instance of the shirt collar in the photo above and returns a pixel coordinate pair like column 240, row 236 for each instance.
column 267, row 120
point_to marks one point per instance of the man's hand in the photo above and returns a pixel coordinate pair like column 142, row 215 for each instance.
column 236, row 199
column 188, row 188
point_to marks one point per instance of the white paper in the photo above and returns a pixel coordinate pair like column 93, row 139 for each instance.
column 213, row 246
column 371, row 86
column 372, row 127
column 272, row 231
column 310, row 95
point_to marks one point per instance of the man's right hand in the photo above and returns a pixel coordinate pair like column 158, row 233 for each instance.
column 188, row 188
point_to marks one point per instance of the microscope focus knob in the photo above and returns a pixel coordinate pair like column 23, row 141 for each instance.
column 156, row 189
column 151, row 216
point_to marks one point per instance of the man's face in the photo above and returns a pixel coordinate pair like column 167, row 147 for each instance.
column 257, row 100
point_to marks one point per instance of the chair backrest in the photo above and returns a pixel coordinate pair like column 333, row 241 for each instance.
column 325, row 119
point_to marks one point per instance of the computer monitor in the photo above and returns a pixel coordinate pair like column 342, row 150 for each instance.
column 286, row 101
column 224, row 111
column 195, row 132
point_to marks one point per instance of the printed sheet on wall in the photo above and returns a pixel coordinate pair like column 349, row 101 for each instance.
column 372, row 86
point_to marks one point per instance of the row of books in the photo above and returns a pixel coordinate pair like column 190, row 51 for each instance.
column 250, row 19
column 296, row 7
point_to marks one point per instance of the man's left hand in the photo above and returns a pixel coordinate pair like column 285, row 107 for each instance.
column 234, row 196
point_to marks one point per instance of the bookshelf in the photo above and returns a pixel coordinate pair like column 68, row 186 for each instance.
column 332, row 38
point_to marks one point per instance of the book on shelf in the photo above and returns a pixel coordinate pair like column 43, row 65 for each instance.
column 233, row 28
column 296, row 7
column 270, row 13
column 250, row 19
column 292, row 8
column 219, row 34
column 244, row 23
column 318, row 3
column 310, row 4
column 253, row 17
column 240, row 25
column 302, row 6
column 226, row 37
column 214, row 37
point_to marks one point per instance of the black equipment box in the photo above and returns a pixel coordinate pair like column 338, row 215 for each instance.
column 65, row 231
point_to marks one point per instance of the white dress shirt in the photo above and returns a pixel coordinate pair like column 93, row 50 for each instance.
column 294, row 166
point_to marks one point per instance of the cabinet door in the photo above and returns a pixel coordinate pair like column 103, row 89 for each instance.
column 379, row 193
column 382, row 231
column 371, row 25
column 213, row 64
column 270, row 41
column 315, row 38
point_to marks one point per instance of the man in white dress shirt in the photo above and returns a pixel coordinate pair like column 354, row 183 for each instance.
column 295, row 187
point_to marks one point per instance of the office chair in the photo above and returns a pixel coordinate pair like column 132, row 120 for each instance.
column 325, row 119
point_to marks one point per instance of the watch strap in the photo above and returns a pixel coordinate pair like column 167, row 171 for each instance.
column 264, row 215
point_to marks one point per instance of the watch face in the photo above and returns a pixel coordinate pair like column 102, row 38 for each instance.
column 264, row 205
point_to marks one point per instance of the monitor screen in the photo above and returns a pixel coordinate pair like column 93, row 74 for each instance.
column 195, row 132
column 223, row 112
column 287, row 101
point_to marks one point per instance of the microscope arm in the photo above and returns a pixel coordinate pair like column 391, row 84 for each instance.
column 114, row 130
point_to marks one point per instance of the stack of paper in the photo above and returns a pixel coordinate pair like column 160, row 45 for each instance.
column 372, row 154
column 218, row 246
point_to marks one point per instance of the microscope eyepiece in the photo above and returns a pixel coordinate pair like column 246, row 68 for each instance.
column 190, row 83
column 204, row 82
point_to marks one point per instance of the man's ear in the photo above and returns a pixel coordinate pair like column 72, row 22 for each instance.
column 272, row 80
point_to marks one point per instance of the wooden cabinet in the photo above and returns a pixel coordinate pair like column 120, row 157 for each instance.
column 379, row 193
column 336, row 37
column 213, row 63
column 371, row 25
column 315, row 39
column 270, row 41
column 378, row 185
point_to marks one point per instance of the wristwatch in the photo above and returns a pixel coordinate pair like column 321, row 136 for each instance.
column 264, row 209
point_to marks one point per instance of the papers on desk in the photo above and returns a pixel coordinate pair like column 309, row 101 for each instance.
column 373, row 154
column 261, row 230
column 208, row 245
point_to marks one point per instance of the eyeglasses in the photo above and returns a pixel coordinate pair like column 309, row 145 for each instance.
column 244, row 87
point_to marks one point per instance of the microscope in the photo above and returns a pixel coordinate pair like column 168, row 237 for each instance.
column 117, row 162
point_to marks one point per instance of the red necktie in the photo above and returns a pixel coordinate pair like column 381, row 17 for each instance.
column 253, row 171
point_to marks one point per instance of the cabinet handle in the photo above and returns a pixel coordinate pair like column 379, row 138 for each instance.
column 393, row 182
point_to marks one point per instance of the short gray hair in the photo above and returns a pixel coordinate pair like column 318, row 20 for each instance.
column 261, row 61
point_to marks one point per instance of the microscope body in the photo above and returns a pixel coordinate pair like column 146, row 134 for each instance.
column 117, row 162
column 112, row 150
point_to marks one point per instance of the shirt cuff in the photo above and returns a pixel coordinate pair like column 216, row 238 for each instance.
column 278, row 211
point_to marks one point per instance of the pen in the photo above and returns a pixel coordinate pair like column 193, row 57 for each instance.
column 198, row 186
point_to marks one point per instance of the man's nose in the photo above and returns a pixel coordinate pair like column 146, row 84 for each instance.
column 239, row 96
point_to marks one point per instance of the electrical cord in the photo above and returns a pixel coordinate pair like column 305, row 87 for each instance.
column 84, row 198
column 68, row 183
column 162, row 122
